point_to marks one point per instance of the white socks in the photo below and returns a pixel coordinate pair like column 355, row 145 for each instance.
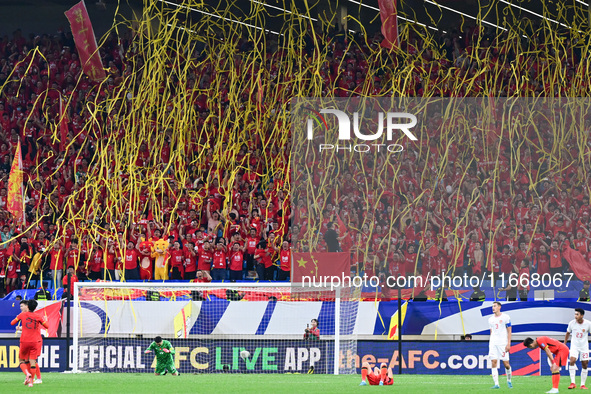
column 572, row 370
column 495, row 375
column 508, row 371
column 584, row 372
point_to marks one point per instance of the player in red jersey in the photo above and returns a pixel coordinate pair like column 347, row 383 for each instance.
column 557, row 353
column 30, row 343
column 378, row 377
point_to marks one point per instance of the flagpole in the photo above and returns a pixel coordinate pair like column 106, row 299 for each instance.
column 399, row 331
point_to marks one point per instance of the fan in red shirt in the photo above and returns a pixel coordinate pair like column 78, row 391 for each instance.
column 251, row 246
column 130, row 266
column 284, row 261
column 543, row 261
column 236, row 261
column 73, row 278
column 190, row 261
column 205, row 257
column 202, row 277
column 12, row 266
column 177, row 259
column 109, row 262
column 219, row 263
column 95, row 263
column 73, row 255
column 410, row 260
column 556, row 351
column 30, row 343
column 56, row 264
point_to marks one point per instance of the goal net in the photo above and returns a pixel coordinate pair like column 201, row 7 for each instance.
column 211, row 326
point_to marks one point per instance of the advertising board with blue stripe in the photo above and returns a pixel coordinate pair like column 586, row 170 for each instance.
column 222, row 317
column 533, row 318
column 444, row 357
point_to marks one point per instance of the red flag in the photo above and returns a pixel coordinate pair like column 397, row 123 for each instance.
column 315, row 265
column 63, row 125
column 579, row 265
column 53, row 315
column 388, row 15
column 85, row 42
column 15, row 202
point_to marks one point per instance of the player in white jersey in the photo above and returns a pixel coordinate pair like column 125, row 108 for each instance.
column 499, row 343
column 579, row 346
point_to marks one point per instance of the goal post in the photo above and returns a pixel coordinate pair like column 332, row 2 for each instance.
column 210, row 325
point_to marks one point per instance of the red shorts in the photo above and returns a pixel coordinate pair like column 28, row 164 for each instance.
column 561, row 357
column 374, row 380
column 29, row 350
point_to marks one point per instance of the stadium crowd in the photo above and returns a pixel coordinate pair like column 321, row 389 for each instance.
column 233, row 219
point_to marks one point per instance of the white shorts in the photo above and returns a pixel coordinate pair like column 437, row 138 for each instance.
column 497, row 352
column 576, row 351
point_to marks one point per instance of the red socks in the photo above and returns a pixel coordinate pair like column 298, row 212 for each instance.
column 363, row 374
column 383, row 373
column 555, row 379
column 38, row 370
column 25, row 368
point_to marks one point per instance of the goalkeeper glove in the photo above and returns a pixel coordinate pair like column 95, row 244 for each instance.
column 148, row 351
column 166, row 350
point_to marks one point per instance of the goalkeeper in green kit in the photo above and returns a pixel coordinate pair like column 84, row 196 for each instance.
column 164, row 356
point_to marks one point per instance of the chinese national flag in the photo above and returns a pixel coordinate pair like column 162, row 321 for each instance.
column 389, row 19
column 578, row 263
column 15, row 203
column 53, row 316
column 315, row 265
column 85, row 42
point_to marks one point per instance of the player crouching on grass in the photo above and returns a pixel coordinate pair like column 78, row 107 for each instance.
column 31, row 341
column 379, row 377
column 557, row 354
column 164, row 356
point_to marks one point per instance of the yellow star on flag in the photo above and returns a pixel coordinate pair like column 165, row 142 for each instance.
column 302, row 262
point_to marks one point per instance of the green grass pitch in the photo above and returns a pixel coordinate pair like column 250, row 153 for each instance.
column 12, row 382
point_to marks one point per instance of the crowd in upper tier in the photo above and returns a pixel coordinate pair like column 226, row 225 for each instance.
column 232, row 217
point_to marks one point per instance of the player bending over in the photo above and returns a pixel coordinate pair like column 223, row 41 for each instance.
column 164, row 356
column 557, row 354
column 499, row 343
column 30, row 343
column 579, row 346
column 379, row 377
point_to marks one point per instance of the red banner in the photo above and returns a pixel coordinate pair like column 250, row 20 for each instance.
column 316, row 265
column 85, row 41
column 53, row 315
column 578, row 263
column 15, row 203
column 388, row 15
